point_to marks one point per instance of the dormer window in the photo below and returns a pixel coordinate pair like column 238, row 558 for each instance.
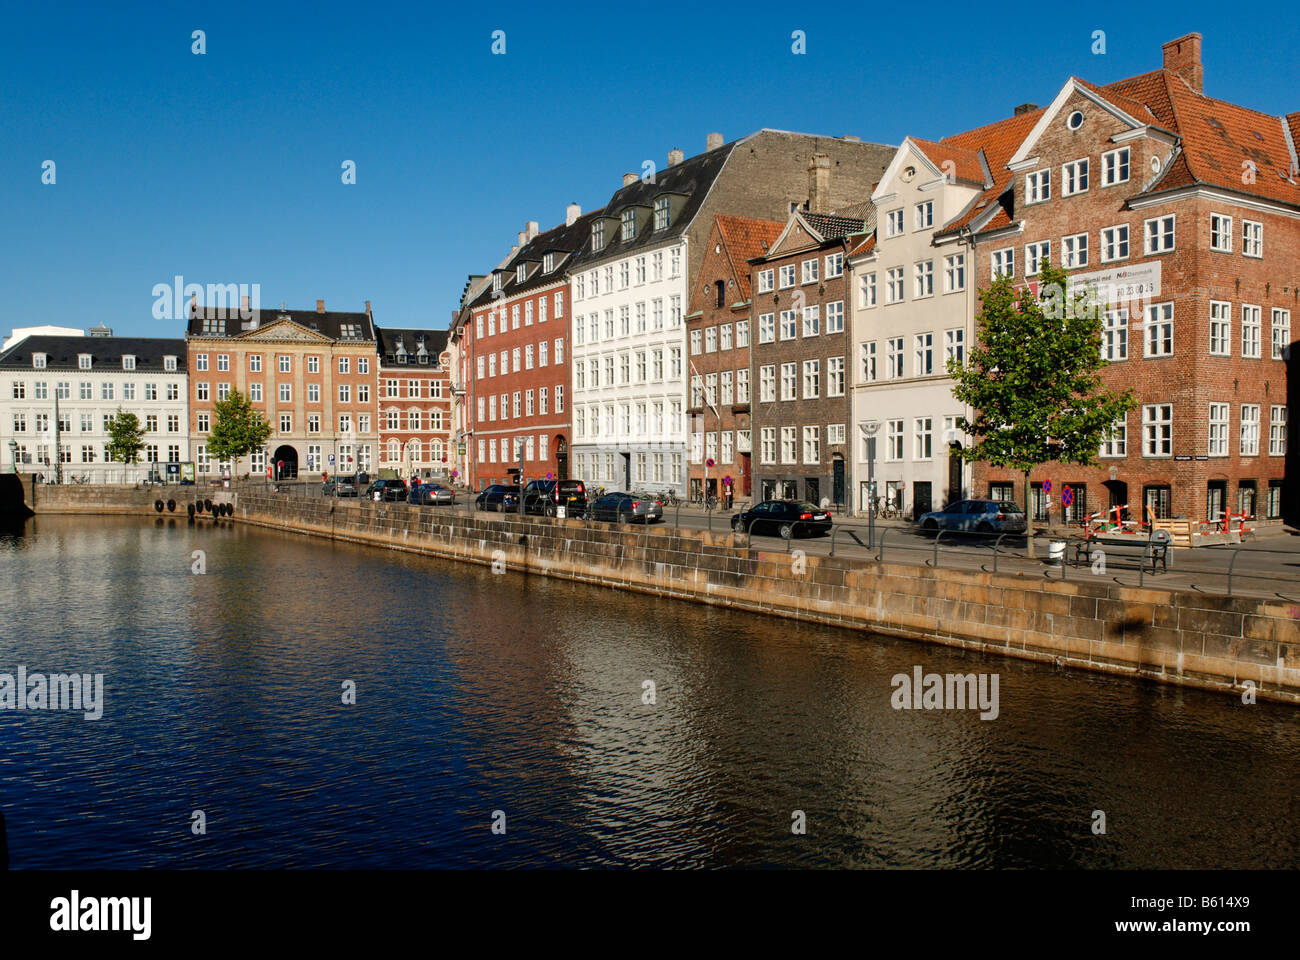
column 128, row 361
column 496, row 281
column 629, row 224
column 350, row 331
column 214, row 327
column 83, row 361
column 598, row 235
column 548, row 263
column 521, row 273
column 38, row 361
column 169, row 363
column 661, row 213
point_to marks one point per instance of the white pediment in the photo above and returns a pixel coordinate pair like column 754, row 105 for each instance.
column 284, row 330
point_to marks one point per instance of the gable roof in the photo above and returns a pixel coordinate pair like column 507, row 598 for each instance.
column 743, row 239
column 965, row 160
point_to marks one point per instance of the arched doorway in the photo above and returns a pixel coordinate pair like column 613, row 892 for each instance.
column 1117, row 496
column 561, row 458
column 285, row 462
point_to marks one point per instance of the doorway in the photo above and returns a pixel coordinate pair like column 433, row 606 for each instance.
column 286, row 462
column 954, row 473
column 561, row 458
column 922, row 501
column 837, row 481
column 1216, row 495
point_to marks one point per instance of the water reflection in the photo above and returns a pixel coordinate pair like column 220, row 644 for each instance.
column 478, row 693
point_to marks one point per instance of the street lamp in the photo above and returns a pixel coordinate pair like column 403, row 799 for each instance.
column 869, row 428
column 13, row 454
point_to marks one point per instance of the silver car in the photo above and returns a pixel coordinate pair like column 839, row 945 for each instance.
column 433, row 495
column 625, row 508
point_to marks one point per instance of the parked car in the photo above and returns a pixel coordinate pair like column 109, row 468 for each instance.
column 388, row 489
column 540, row 497
column 340, row 487
column 498, row 497
column 619, row 507
column 783, row 518
column 430, row 494
column 976, row 516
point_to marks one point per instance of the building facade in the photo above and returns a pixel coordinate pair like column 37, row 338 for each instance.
column 414, row 392
column 312, row 374
column 63, row 391
column 1184, row 211
column 718, row 337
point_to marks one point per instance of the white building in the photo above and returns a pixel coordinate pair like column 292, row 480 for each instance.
column 87, row 380
column 47, row 330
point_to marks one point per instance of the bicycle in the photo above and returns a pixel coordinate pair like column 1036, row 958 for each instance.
column 708, row 503
column 669, row 499
column 886, row 509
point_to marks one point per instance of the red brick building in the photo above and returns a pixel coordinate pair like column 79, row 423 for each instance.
column 518, row 359
column 719, row 324
column 414, row 393
column 1148, row 186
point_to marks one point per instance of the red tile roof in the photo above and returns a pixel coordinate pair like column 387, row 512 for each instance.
column 866, row 246
column 966, row 161
column 999, row 142
column 744, row 239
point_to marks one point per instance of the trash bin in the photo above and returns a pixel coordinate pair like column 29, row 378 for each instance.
column 1056, row 552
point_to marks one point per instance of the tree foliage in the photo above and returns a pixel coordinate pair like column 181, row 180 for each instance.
column 238, row 428
column 125, row 437
column 1033, row 377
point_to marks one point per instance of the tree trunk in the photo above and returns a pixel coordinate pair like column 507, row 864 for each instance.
column 1029, row 521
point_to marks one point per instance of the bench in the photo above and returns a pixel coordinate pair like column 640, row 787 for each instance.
column 1156, row 547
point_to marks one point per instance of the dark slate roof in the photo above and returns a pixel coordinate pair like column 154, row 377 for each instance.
column 562, row 241
column 105, row 353
column 435, row 341
column 692, row 179
column 329, row 323
column 834, row 228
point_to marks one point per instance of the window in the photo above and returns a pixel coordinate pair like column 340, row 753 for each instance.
column 787, row 275
column 812, row 379
column 869, row 361
column 724, row 337
column 84, row 391
column 200, row 391
column 255, row 392
column 812, row 444
column 1277, row 431
column 895, row 358
column 789, row 380
column 767, row 445
column 1218, row 430
column 200, row 361
column 1159, row 234
column 106, row 391
column 559, row 398
column 695, row 343
column 345, row 393
column 834, row 376
column 1160, row 330
column 597, row 241
column 789, row 445
column 1114, row 167
column 710, row 339
column 286, row 423
column 893, row 439
column 894, row 222
column 1252, row 238
column 809, row 271
column 954, row 346
column 1158, row 430
column 812, row 320
column 1114, row 335
column 128, row 362
column 661, row 213
column 788, row 327
column 742, row 385
column 558, row 349
column 345, row 364
column 894, row 285
column 923, row 275
column 835, row 317
column 675, row 310
column 83, row 361
column 924, row 438
column 1074, row 177
column 286, row 365
column 629, row 228
column 1249, row 429
column 1037, row 255
column 867, row 290
column 1074, row 251
column 834, row 265
column 223, row 391
column 1281, row 334
column 1004, row 263
column 767, row 383
column 924, row 360
column 954, row 273
column 1114, row 243
column 1220, row 328
column 625, row 270
column 765, row 280
column 924, row 215
column 1114, row 442
column 1038, row 186
column 1220, row 233
column 558, row 302
column 1251, row 330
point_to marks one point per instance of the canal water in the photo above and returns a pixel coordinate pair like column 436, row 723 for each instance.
column 485, row 698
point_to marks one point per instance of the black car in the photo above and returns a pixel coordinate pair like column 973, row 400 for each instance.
column 783, row 518
column 622, row 507
column 498, row 497
column 541, row 497
column 345, row 486
column 394, row 490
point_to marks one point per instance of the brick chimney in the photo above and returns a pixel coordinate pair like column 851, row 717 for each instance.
column 194, row 303
column 713, row 141
column 1183, row 57
column 819, row 183
column 320, row 306
column 571, row 214
column 367, row 308
column 629, row 179
column 675, row 157
column 1024, row 108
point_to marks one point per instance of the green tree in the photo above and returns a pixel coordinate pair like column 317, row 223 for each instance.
column 237, row 428
column 125, row 437
column 1033, row 378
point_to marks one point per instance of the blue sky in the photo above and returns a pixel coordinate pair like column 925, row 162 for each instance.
column 225, row 167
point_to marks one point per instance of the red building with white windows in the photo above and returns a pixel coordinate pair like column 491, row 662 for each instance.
column 414, row 399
